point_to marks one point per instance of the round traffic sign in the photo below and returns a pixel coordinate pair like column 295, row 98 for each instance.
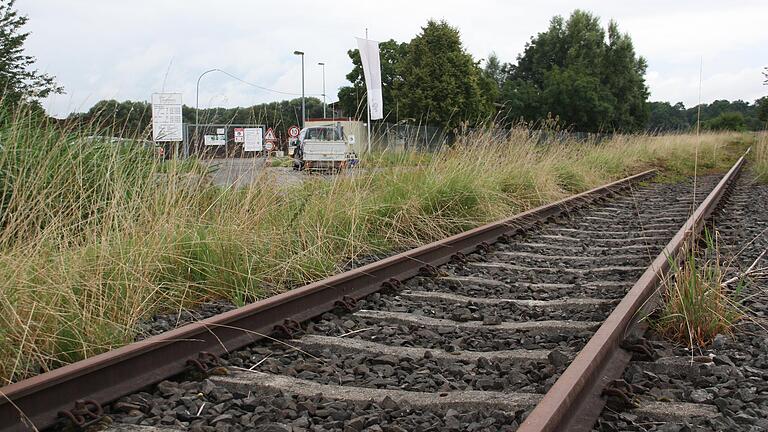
column 269, row 145
column 293, row 131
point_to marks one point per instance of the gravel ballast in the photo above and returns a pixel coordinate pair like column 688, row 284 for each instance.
column 730, row 374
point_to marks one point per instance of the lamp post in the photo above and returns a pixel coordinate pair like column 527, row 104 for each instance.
column 323, row 66
column 197, row 96
column 197, row 109
column 303, row 106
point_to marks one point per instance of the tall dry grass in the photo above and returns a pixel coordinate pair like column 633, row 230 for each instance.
column 95, row 237
column 759, row 157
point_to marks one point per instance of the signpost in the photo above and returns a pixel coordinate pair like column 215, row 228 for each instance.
column 166, row 117
column 252, row 139
column 270, row 139
column 293, row 131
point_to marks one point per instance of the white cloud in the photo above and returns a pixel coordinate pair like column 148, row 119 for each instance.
column 124, row 49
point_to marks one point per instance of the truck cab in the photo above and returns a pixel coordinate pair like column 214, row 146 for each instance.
column 321, row 148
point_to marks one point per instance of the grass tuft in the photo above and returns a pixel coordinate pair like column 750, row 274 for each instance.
column 696, row 305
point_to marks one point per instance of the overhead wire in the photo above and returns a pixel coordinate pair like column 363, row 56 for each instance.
column 262, row 87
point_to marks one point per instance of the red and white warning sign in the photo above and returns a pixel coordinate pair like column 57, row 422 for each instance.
column 239, row 135
column 270, row 135
column 293, row 131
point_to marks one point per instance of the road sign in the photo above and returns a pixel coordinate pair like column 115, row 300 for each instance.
column 269, row 145
column 239, row 135
column 166, row 117
column 252, row 137
column 270, row 135
column 293, row 131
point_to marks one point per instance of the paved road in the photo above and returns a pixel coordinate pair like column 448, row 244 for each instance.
column 242, row 172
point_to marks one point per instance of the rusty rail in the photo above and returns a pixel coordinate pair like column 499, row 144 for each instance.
column 573, row 403
column 36, row 402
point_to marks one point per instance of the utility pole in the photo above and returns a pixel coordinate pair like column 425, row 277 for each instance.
column 303, row 106
column 323, row 65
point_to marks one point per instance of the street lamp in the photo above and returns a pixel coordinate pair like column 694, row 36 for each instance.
column 197, row 95
column 303, row 107
column 197, row 108
column 323, row 65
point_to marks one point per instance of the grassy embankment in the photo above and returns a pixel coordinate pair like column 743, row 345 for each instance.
column 93, row 239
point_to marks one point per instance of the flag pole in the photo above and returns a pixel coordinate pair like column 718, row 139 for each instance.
column 368, row 102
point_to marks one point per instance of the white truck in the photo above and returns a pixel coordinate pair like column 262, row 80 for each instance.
column 321, row 148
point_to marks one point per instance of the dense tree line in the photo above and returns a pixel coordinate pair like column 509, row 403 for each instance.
column 134, row 119
column 718, row 115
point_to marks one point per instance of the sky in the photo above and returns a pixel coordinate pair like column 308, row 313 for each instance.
column 129, row 49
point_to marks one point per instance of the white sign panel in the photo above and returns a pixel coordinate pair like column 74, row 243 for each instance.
column 214, row 140
column 166, row 117
column 220, row 131
column 253, row 139
column 369, row 57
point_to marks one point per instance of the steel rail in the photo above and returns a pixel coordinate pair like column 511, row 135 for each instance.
column 574, row 402
column 36, row 402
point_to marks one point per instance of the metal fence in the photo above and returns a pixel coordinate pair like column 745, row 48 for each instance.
column 399, row 136
column 410, row 137
column 194, row 141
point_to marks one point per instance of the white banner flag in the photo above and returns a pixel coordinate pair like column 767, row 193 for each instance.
column 369, row 56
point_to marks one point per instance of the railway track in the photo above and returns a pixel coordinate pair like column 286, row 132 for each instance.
column 725, row 380
column 511, row 326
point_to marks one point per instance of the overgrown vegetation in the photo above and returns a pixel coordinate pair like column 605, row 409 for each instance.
column 759, row 157
column 696, row 306
column 97, row 236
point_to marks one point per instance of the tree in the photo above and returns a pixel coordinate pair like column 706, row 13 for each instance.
column 762, row 109
column 666, row 117
column 352, row 98
column 441, row 83
column 19, row 82
column 733, row 121
column 589, row 79
column 496, row 70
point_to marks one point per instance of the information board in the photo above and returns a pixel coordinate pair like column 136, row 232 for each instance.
column 253, row 139
column 166, row 117
column 215, row 140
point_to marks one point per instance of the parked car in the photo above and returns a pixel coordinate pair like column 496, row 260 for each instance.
column 321, row 148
